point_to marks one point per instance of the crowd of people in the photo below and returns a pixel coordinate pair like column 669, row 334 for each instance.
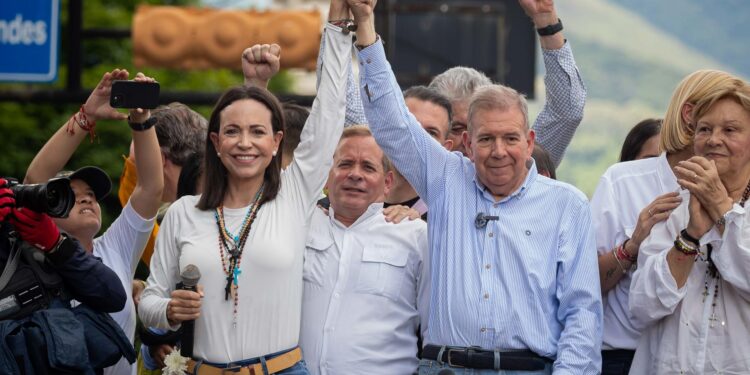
column 389, row 231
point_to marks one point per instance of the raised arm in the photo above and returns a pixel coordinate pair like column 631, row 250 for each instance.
column 355, row 114
column 565, row 92
column 415, row 154
column 146, row 197
column 314, row 155
column 60, row 147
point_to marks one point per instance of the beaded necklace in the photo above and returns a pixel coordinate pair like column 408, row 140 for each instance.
column 713, row 273
column 231, row 248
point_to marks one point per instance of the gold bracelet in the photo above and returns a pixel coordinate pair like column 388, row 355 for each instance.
column 614, row 253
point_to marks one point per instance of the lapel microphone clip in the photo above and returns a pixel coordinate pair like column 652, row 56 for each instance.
column 481, row 220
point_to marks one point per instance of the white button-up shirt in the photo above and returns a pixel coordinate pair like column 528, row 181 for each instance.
column 686, row 333
column 363, row 286
column 623, row 191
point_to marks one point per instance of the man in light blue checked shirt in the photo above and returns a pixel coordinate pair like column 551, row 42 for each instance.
column 515, row 282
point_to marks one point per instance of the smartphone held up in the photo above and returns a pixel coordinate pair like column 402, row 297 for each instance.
column 132, row 94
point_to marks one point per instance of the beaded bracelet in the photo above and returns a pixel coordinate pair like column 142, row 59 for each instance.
column 83, row 122
column 687, row 237
column 624, row 255
column 682, row 246
column 347, row 25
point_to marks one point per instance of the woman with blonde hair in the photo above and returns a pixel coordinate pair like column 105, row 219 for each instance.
column 633, row 196
column 692, row 287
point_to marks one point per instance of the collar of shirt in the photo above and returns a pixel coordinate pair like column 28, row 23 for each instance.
column 371, row 211
column 666, row 174
column 531, row 175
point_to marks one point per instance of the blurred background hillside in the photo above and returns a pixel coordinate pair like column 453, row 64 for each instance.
column 631, row 54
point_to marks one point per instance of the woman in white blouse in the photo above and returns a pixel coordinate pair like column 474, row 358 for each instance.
column 692, row 286
column 247, row 232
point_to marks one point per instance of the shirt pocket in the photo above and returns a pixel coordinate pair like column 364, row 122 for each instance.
column 382, row 271
column 316, row 254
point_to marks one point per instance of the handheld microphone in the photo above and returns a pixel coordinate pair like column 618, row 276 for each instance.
column 481, row 220
column 446, row 371
column 190, row 276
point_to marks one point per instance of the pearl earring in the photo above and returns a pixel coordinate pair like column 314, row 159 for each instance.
column 218, row 154
column 274, row 153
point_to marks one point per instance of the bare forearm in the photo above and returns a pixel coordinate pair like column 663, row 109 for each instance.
column 555, row 41
column 680, row 266
column 610, row 272
column 55, row 153
column 366, row 34
column 148, row 161
column 338, row 10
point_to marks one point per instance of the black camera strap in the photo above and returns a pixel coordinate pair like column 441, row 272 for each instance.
column 12, row 263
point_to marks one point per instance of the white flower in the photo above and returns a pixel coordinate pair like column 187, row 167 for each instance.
column 175, row 364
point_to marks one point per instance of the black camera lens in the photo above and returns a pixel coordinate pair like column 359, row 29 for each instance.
column 55, row 198
column 116, row 100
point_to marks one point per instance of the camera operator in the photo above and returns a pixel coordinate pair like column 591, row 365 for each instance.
column 84, row 278
column 121, row 245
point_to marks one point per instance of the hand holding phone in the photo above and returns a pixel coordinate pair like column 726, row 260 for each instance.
column 135, row 94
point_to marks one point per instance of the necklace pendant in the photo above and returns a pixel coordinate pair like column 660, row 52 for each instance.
column 713, row 319
column 228, row 288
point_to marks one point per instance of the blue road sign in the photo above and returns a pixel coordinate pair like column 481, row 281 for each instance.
column 29, row 40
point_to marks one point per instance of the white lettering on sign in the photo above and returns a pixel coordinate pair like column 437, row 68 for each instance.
column 25, row 32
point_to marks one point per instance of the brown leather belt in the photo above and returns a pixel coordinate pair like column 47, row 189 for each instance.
column 274, row 365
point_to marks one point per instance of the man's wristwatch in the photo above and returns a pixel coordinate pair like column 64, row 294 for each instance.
column 139, row 127
column 550, row 29
column 723, row 219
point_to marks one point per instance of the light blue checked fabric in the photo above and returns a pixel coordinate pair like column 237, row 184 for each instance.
column 564, row 101
column 555, row 125
column 355, row 115
column 529, row 280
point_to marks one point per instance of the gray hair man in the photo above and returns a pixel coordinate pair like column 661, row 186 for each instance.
column 494, row 223
column 565, row 95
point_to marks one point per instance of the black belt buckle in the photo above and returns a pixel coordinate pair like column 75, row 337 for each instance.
column 450, row 363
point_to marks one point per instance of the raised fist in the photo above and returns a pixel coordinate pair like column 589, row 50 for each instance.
column 261, row 62
column 361, row 9
column 536, row 7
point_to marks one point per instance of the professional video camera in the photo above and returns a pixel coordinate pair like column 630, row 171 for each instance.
column 55, row 198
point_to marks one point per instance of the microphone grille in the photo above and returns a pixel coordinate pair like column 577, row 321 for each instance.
column 190, row 275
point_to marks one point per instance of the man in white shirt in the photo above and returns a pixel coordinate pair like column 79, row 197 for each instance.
column 365, row 280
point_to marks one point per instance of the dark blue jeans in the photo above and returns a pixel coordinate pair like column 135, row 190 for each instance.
column 617, row 362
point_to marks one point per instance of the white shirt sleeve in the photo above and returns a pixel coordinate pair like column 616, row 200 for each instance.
column 732, row 253
column 125, row 240
column 605, row 216
column 313, row 157
column 164, row 271
column 653, row 291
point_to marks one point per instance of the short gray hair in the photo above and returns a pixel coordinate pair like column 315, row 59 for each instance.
column 181, row 132
column 497, row 97
column 459, row 83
